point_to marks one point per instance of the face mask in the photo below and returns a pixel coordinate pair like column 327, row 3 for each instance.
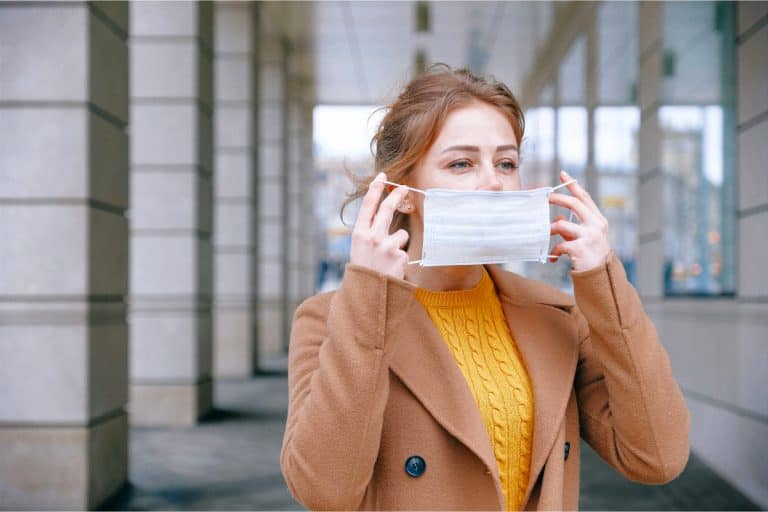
column 471, row 227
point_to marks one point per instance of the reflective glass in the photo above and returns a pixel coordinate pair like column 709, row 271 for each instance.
column 697, row 124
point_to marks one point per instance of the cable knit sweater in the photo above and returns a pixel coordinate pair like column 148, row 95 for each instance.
column 472, row 324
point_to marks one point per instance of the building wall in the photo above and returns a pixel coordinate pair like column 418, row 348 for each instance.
column 64, row 193
column 718, row 345
column 719, row 348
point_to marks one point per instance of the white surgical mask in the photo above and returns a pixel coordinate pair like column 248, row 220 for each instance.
column 471, row 227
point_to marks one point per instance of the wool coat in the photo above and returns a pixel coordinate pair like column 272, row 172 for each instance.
column 372, row 384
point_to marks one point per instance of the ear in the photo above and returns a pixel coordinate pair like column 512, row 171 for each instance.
column 406, row 205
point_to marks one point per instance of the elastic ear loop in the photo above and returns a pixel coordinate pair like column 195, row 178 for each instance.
column 404, row 186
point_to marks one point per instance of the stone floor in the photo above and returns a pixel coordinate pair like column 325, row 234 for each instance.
column 231, row 462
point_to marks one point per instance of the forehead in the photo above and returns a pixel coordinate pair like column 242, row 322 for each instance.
column 477, row 124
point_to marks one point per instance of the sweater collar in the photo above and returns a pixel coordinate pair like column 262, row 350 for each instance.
column 478, row 294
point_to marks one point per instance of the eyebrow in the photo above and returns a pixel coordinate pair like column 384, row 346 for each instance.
column 477, row 149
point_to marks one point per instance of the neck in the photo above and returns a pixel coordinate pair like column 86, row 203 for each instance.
column 440, row 279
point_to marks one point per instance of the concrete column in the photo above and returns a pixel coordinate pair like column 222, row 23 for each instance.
column 64, row 271
column 650, row 261
column 171, row 212
column 301, row 256
column 271, row 166
column 752, row 138
column 296, row 181
column 556, row 162
column 236, row 191
column 590, row 173
column 309, row 252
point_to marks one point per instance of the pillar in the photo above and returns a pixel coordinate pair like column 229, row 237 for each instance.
column 591, row 178
column 308, row 256
column 271, row 217
column 752, row 134
column 300, row 167
column 236, row 191
column 297, row 170
column 650, row 261
column 64, row 271
column 171, row 211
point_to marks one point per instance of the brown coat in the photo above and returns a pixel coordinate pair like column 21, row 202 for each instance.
column 372, row 383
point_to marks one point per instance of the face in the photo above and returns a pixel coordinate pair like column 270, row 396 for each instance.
column 476, row 149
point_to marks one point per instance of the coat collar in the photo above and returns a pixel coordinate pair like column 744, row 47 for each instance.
column 547, row 341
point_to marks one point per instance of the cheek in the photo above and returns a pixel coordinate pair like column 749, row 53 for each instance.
column 512, row 182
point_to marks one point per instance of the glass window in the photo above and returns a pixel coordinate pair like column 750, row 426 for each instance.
column 616, row 135
column 538, row 147
column 698, row 138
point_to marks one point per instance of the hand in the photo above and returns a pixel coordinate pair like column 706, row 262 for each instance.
column 586, row 243
column 372, row 245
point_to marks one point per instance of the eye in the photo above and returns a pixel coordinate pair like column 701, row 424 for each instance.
column 460, row 164
column 508, row 165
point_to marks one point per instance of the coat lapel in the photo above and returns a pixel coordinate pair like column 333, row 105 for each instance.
column 547, row 341
column 426, row 366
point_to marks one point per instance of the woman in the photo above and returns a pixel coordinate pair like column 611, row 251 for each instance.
column 466, row 386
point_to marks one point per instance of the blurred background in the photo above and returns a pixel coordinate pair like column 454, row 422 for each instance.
column 171, row 175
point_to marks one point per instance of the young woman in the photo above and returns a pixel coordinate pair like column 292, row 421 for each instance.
column 466, row 386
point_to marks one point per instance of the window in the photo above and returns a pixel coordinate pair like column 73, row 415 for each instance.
column 697, row 124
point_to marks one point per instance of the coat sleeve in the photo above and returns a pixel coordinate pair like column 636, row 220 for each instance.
column 631, row 409
column 338, row 380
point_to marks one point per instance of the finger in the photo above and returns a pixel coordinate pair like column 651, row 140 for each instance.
column 574, row 204
column 579, row 191
column 387, row 209
column 370, row 200
column 399, row 238
column 568, row 230
column 563, row 248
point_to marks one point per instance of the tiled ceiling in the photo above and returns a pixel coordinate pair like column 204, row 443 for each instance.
column 365, row 51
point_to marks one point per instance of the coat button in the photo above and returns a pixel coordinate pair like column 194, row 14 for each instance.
column 567, row 449
column 415, row 466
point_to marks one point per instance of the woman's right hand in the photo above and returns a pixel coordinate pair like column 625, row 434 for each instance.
column 372, row 245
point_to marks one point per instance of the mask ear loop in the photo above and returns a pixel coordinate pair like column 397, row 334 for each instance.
column 404, row 186
column 564, row 184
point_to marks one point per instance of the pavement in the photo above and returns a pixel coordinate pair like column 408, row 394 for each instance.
column 230, row 461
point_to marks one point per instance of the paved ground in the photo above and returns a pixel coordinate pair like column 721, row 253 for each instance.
column 231, row 462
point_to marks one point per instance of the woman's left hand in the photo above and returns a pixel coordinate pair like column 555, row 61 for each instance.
column 586, row 243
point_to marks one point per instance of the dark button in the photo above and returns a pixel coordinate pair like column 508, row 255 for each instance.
column 567, row 449
column 415, row 466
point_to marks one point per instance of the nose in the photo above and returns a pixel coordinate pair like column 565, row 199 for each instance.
column 488, row 179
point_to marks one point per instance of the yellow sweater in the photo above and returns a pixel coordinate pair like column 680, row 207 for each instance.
column 473, row 325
